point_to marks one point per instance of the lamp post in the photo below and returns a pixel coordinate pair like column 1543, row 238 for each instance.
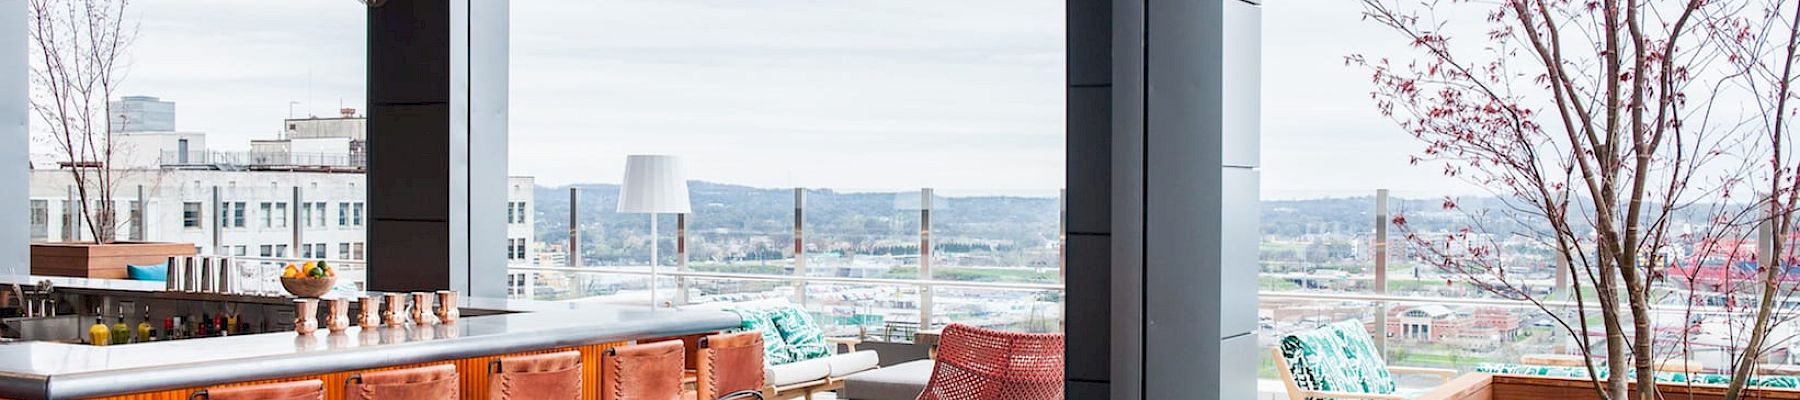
column 654, row 184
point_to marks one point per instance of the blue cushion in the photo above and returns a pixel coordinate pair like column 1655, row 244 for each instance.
column 153, row 272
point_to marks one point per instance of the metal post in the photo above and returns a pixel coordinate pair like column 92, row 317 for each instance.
column 71, row 216
column 1062, row 254
column 800, row 245
column 295, row 224
column 925, row 291
column 138, row 231
column 681, row 258
column 1562, row 278
column 1381, row 263
column 652, row 260
column 574, row 250
column 217, row 222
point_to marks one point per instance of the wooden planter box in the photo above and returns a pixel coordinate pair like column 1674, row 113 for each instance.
column 1515, row 387
column 89, row 260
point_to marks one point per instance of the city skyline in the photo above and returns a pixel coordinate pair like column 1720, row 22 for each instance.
column 900, row 111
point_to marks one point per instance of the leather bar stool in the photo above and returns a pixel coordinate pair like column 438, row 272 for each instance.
column 300, row 390
column 650, row 371
column 730, row 367
column 553, row 376
column 437, row 382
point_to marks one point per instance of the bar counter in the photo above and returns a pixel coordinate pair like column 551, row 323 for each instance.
column 170, row 369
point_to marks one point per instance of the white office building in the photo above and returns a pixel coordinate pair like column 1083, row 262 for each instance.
column 131, row 114
column 272, row 206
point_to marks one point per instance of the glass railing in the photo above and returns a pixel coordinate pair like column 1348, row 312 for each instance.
column 877, row 262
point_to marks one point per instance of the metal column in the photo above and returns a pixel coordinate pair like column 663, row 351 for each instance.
column 216, row 222
column 138, row 214
column 925, row 291
column 71, row 226
column 1380, row 251
column 297, row 228
column 681, row 258
column 800, row 245
column 574, row 250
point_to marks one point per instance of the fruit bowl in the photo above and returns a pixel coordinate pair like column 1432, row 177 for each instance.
column 308, row 287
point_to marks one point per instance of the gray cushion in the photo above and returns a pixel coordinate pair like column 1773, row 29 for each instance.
column 902, row 381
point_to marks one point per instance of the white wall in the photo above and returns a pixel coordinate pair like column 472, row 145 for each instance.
column 145, row 150
column 349, row 128
column 321, row 146
column 14, row 140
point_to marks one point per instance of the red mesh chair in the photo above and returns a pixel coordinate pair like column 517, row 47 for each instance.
column 985, row 364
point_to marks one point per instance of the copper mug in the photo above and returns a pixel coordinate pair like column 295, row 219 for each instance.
column 337, row 315
column 447, row 310
column 390, row 311
column 368, row 313
column 305, row 312
column 421, row 309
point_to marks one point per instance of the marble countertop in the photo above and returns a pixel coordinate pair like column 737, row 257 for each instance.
column 31, row 370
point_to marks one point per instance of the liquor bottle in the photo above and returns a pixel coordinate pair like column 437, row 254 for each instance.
column 180, row 331
column 200, row 326
column 99, row 334
column 120, row 333
column 144, row 332
column 168, row 331
column 218, row 328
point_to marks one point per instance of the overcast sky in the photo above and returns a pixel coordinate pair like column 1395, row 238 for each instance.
column 871, row 94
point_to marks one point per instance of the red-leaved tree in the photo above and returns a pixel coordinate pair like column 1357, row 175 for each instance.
column 1638, row 139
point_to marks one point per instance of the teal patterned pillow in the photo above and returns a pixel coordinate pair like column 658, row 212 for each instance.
column 1340, row 357
column 807, row 340
column 1538, row 370
column 776, row 351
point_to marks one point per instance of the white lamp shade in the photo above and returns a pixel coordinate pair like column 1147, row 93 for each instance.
column 653, row 184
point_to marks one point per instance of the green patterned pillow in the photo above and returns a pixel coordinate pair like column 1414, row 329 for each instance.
column 776, row 351
column 1781, row 382
column 807, row 340
column 1340, row 357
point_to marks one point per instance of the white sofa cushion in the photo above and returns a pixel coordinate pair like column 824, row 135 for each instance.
column 849, row 363
column 797, row 372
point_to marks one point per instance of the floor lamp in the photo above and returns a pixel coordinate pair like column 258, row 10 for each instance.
column 654, row 184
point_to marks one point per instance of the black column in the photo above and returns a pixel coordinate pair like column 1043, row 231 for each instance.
column 1088, row 305
column 437, row 146
column 1161, row 199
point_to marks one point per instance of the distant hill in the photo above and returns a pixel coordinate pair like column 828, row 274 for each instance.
column 739, row 220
